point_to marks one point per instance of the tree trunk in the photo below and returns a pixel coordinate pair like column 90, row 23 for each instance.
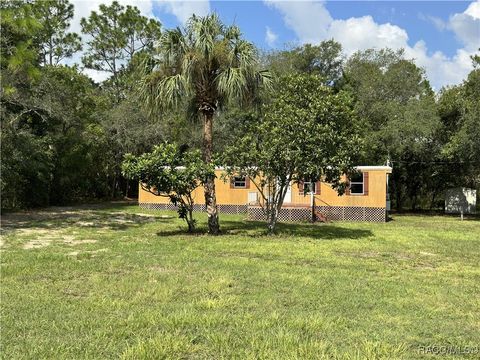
column 432, row 202
column 50, row 52
column 210, row 198
column 114, row 185
column 414, row 202
column 275, row 210
column 272, row 221
column 190, row 220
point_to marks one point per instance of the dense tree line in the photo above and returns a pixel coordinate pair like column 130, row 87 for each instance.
column 64, row 137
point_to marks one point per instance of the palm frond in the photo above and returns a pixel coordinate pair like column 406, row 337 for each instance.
column 205, row 32
column 161, row 93
column 205, row 63
column 245, row 54
column 232, row 83
column 233, row 33
column 190, row 65
column 264, row 78
column 172, row 46
column 171, row 90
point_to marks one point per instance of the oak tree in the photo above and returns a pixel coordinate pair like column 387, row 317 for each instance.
column 305, row 133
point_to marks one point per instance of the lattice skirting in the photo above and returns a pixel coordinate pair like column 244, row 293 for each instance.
column 349, row 213
column 226, row 209
column 331, row 212
column 286, row 214
column 353, row 213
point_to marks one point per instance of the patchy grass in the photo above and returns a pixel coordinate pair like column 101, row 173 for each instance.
column 120, row 282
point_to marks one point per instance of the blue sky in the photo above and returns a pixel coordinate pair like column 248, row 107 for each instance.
column 254, row 16
column 439, row 35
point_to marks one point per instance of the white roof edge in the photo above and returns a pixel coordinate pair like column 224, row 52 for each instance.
column 362, row 167
column 375, row 167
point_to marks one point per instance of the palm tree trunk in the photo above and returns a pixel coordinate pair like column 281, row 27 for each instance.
column 210, row 198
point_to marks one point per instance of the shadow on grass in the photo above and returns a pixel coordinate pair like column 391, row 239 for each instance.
column 322, row 231
column 182, row 231
column 84, row 218
column 259, row 229
column 108, row 217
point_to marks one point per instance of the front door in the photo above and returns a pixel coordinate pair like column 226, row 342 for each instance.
column 288, row 195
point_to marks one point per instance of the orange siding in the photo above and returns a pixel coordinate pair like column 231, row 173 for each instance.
column 376, row 197
column 377, row 194
column 225, row 194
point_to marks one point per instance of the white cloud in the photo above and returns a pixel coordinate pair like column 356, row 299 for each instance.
column 466, row 26
column 184, row 9
column 95, row 75
column 441, row 70
column 474, row 10
column 308, row 19
column 83, row 8
column 270, row 37
column 363, row 33
column 312, row 23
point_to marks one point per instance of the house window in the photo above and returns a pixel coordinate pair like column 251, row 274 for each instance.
column 356, row 184
column 306, row 187
column 240, row 182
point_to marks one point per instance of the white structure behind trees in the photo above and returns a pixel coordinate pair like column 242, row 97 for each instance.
column 460, row 201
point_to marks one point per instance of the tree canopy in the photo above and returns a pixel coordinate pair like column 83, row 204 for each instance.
column 325, row 60
column 203, row 67
column 305, row 133
column 205, row 86
column 56, row 44
column 170, row 171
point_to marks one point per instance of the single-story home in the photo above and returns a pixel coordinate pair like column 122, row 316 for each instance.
column 364, row 200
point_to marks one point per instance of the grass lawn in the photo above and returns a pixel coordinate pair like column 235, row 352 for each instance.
column 115, row 281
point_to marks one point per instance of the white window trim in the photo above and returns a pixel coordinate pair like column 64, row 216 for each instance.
column 305, row 187
column 235, row 181
column 357, row 182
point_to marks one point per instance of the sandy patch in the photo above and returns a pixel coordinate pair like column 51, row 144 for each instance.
column 36, row 244
column 46, row 239
column 97, row 251
column 122, row 221
column 85, row 223
column 38, row 231
column 427, row 253
column 72, row 242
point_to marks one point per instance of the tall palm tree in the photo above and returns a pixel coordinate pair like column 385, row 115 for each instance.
column 203, row 67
